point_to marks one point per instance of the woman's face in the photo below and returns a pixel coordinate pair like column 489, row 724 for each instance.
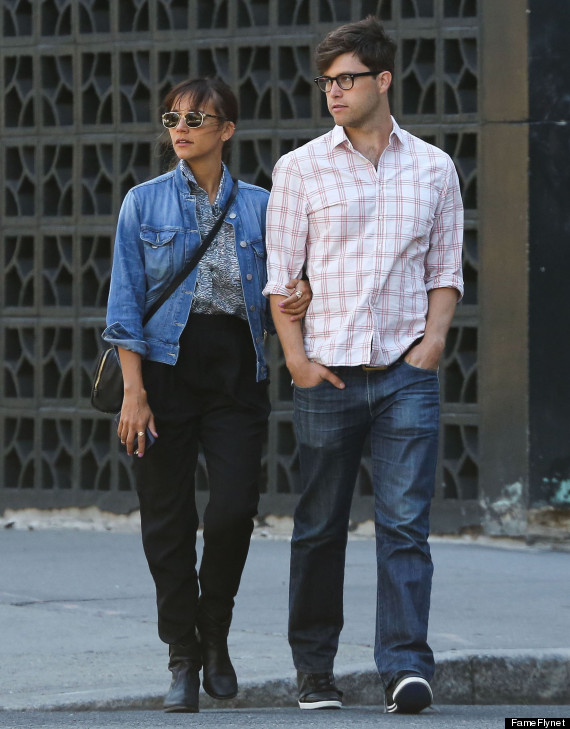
column 202, row 143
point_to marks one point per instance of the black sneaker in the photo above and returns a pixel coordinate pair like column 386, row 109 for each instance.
column 408, row 694
column 318, row 691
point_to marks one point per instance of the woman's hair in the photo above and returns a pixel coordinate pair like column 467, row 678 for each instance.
column 367, row 39
column 203, row 91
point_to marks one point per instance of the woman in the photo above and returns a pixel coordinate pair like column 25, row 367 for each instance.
column 195, row 374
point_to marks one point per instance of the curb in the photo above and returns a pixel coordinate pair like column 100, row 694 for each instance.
column 462, row 677
column 503, row 677
column 518, row 677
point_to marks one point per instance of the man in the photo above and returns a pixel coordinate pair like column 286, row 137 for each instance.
column 374, row 215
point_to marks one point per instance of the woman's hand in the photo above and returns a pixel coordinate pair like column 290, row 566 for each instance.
column 135, row 417
column 296, row 305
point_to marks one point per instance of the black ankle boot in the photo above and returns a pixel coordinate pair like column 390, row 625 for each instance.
column 219, row 678
column 182, row 697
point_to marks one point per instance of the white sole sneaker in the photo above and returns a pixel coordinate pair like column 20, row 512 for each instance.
column 411, row 695
column 324, row 704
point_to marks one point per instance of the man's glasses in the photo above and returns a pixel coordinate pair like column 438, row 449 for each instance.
column 193, row 119
column 345, row 81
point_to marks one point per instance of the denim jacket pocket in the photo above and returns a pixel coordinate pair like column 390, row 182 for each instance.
column 158, row 251
column 260, row 255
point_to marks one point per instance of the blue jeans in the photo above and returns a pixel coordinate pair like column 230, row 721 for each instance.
column 399, row 407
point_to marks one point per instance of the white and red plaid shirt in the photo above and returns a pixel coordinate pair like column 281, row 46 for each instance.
column 374, row 242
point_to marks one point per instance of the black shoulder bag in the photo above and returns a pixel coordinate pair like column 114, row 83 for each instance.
column 107, row 388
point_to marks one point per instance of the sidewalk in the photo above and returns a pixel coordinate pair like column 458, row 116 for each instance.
column 78, row 625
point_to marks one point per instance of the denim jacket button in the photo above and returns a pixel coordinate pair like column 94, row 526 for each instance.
column 233, row 215
column 243, row 244
column 252, row 308
column 249, row 276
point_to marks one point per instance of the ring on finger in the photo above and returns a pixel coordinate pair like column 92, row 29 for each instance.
column 298, row 294
column 140, row 433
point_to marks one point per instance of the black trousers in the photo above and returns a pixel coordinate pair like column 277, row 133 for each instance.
column 210, row 397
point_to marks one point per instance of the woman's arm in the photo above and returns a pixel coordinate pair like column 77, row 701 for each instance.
column 126, row 303
column 136, row 414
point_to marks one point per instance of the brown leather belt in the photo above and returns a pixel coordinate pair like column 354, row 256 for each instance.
column 367, row 368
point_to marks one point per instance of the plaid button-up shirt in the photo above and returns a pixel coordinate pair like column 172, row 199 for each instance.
column 374, row 242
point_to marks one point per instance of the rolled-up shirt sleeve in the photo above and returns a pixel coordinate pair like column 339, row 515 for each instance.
column 287, row 227
column 443, row 261
column 125, row 307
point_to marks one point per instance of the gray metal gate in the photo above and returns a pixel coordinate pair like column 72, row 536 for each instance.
column 81, row 82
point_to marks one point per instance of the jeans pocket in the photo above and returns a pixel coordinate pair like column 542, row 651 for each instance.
column 420, row 369
column 310, row 389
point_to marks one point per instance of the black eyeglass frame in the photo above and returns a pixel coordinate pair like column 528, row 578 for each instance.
column 330, row 79
column 185, row 116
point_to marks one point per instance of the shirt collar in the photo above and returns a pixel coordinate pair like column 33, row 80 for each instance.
column 189, row 175
column 338, row 135
column 187, row 172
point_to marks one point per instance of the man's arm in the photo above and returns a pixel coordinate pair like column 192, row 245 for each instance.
column 443, row 259
column 441, row 308
column 304, row 372
column 444, row 278
column 287, row 229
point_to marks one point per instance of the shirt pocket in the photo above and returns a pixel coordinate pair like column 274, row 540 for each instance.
column 342, row 221
column 158, row 252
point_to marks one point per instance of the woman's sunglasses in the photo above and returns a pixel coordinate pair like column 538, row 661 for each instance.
column 193, row 119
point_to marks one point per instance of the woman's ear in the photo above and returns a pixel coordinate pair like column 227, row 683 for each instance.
column 228, row 132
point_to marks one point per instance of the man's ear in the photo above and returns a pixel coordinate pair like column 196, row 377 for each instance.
column 384, row 81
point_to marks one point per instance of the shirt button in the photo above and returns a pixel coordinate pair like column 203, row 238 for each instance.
column 243, row 244
column 249, row 276
column 233, row 215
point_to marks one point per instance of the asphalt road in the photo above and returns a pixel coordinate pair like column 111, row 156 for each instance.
column 78, row 625
column 444, row 717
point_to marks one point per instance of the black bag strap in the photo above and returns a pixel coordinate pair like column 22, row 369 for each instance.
column 177, row 280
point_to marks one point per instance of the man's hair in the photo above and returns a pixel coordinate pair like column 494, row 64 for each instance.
column 365, row 38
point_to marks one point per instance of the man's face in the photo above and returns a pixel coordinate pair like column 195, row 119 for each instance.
column 360, row 104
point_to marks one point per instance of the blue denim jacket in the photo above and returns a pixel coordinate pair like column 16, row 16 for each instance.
column 157, row 233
